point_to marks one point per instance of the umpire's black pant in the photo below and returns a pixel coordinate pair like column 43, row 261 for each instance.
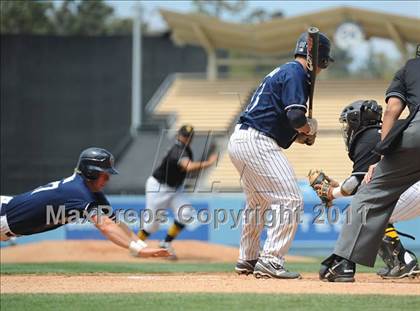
column 373, row 204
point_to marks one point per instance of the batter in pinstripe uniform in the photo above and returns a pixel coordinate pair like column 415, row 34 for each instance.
column 273, row 121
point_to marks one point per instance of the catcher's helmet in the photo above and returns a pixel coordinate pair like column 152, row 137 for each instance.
column 357, row 116
column 94, row 160
column 324, row 49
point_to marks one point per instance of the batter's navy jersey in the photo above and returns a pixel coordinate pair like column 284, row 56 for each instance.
column 27, row 213
column 284, row 88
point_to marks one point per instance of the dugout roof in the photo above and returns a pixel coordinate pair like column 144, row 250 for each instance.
column 278, row 36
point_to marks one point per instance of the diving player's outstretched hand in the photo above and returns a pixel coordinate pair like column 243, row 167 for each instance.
column 153, row 252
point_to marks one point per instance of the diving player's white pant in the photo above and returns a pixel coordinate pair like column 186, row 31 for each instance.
column 269, row 183
column 160, row 197
column 5, row 233
column 408, row 205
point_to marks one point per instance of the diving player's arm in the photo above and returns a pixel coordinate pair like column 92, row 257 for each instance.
column 122, row 236
column 189, row 166
column 127, row 230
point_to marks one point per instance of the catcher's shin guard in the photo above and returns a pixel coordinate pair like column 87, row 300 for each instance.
column 399, row 261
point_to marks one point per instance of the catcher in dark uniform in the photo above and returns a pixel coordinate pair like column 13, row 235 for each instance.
column 361, row 131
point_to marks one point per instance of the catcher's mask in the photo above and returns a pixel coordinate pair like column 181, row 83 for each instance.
column 357, row 116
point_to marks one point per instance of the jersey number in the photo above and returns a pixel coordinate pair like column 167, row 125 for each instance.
column 256, row 97
column 53, row 185
column 50, row 186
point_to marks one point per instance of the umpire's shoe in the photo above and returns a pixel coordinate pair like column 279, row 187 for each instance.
column 337, row 269
column 269, row 269
column 245, row 266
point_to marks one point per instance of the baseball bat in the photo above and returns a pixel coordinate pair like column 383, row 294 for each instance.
column 312, row 62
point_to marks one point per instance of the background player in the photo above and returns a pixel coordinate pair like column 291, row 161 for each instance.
column 361, row 131
column 164, row 189
column 273, row 120
column 80, row 194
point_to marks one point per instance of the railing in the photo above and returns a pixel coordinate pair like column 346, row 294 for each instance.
column 160, row 92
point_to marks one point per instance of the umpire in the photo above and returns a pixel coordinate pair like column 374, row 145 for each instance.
column 398, row 169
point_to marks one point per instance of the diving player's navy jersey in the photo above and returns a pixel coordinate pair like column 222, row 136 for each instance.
column 284, row 88
column 27, row 213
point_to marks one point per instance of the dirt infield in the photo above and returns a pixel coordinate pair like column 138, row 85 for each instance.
column 105, row 251
column 198, row 282
column 188, row 251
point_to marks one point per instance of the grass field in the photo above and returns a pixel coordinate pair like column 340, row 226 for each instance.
column 185, row 301
column 166, row 267
column 169, row 301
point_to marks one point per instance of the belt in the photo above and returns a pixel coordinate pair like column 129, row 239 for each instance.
column 245, row 127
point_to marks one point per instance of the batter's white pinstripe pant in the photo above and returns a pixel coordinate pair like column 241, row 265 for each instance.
column 408, row 205
column 269, row 183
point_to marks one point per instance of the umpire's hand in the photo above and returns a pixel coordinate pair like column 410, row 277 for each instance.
column 369, row 174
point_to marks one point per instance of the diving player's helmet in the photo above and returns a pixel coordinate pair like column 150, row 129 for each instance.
column 357, row 116
column 94, row 160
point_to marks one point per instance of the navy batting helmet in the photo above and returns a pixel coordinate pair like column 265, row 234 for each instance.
column 357, row 116
column 94, row 160
column 324, row 49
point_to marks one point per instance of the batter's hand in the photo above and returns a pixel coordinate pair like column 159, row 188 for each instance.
column 313, row 126
column 369, row 174
column 153, row 252
column 310, row 139
column 305, row 139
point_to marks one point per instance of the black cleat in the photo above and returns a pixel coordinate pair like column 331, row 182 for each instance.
column 337, row 269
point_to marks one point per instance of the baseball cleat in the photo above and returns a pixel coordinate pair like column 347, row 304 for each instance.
column 410, row 270
column 169, row 248
column 337, row 269
column 268, row 269
column 245, row 266
column 383, row 271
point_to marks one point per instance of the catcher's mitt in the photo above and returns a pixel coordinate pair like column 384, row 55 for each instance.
column 323, row 185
